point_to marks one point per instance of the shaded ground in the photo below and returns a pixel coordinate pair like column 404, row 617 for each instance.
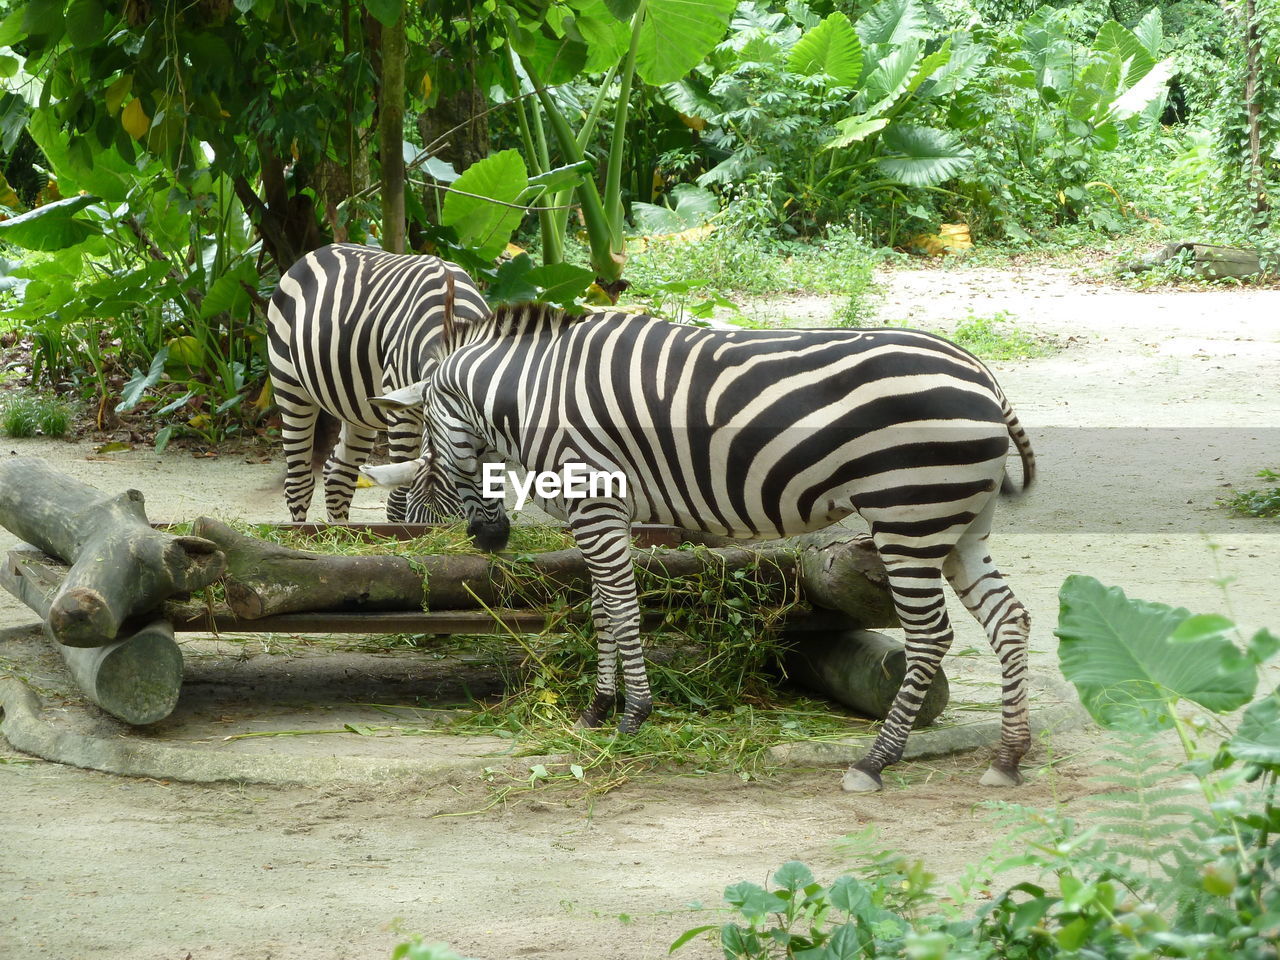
column 1161, row 400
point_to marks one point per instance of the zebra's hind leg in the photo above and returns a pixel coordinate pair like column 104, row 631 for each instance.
column 916, row 587
column 602, row 531
column 980, row 587
column 404, row 443
column 340, row 471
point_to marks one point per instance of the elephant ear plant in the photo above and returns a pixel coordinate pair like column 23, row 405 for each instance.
column 1142, row 667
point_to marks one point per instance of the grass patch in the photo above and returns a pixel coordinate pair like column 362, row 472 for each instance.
column 726, row 265
column 997, row 337
column 1256, row 503
column 23, row 415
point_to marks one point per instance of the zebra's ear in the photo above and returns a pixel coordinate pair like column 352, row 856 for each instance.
column 393, row 474
column 412, row 397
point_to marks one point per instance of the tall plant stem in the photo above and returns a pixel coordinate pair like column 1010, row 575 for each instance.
column 617, row 146
column 549, row 223
column 604, row 261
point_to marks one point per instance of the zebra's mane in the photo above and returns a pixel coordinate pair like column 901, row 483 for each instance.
column 510, row 320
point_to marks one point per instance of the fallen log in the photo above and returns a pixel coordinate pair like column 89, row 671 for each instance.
column 835, row 569
column 135, row 678
column 120, row 567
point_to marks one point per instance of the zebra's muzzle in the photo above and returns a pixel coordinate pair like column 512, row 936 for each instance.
column 490, row 535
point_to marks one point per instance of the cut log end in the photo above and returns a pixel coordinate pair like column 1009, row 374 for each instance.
column 82, row 617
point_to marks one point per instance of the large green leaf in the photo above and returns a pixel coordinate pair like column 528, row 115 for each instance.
column 51, row 227
column 1128, row 665
column 893, row 22
column 856, row 129
column 1145, row 92
column 85, row 22
column 957, row 71
column 480, row 223
column 690, row 207
column 923, row 156
column 677, row 34
column 832, row 49
column 892, row 74
column 607, row 38
column 101, row 172
column 1258, row 739
column 1150, row 32
column 1119, row 41
column 386, row 12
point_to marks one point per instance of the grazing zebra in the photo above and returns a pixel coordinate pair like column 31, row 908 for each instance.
column 346, row 323
column 749, row 433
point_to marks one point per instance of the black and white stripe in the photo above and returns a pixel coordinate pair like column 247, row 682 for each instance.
column 754, row 433
column 348, row 323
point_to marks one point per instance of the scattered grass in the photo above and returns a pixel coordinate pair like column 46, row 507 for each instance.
column 997, row 337
column 1256, row 503
column 713, row 671
column 526, row 538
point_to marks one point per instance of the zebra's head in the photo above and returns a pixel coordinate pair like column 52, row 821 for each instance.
column 451, row 479
column 420, row 492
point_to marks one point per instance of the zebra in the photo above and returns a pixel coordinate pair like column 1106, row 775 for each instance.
column 347, row 322
column 751, row 434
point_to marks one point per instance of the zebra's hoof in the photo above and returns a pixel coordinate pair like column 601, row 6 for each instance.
column 633, row 719
column 860, row 781
column 997, row 777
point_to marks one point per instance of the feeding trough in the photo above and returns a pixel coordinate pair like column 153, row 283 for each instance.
column 113, row 591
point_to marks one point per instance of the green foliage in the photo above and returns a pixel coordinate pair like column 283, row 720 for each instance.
column 416, row 949
column 1257, row 503
column 807, row 98
column 729, row 263
column 1170, row 865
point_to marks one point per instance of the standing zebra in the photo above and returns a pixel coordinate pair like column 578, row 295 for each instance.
column 347, row 323
column 749, row 433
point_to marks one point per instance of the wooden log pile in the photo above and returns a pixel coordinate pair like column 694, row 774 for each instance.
column 118, row 589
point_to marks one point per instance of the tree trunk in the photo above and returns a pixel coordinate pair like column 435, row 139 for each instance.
column 391, row 135
column 860, row 668
column 1252, row 105
column 835, row 569
column 120, row 566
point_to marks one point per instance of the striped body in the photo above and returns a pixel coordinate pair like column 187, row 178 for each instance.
column 751, row 434
column 348, row 323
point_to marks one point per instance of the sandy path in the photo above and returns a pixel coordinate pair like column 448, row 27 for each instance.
column 1163, row 398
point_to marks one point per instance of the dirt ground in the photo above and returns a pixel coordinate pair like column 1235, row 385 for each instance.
column 1159, row 404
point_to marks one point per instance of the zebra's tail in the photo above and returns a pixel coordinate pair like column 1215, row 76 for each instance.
column 1025, row 453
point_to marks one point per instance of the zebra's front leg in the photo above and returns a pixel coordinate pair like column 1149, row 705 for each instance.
column 922, row 608
column 605, row 699
column 603, row 534
column 297, row 430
